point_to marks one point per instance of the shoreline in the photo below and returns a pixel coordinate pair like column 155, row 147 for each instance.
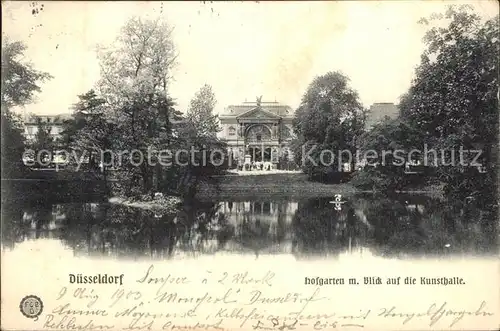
column 166, row 204
column 263, row 187
column 294, row 184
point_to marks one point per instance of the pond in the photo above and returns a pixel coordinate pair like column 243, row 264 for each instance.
column 406, row 226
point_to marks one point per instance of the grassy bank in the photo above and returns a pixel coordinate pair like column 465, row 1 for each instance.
column 289, row 185
column 286, row 184
column 276, row 186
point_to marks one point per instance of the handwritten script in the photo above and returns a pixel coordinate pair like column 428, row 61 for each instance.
column 229, row 301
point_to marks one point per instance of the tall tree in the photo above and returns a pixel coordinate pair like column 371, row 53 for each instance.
column 89, row 132
column 330, row 116
column 199, row 132
column 453, row 100
column 200, row 112
column 20, row 83
column 12, row 145
column 135, row 73
column 43, row 139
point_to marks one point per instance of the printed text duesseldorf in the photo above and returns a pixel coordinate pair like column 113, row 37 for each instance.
column 96, row 279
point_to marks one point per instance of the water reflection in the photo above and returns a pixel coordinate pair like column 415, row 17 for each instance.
column 392, row 227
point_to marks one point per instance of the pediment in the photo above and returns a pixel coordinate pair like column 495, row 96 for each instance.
column 258, row 112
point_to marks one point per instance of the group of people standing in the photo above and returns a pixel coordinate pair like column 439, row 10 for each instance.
column 256, row 166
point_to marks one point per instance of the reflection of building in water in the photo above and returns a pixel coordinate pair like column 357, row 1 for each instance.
column 41, row 223
column 261, row 226
column 272, row 214
column 416, row 207
column 45, row 219
column 313, row 227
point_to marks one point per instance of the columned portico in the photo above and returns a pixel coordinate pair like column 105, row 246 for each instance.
column 259, row 153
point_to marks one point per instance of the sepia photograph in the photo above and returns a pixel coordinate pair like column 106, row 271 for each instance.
column 295, row 165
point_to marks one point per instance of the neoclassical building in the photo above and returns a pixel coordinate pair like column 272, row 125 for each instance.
column 257, row 131
column 54, row 124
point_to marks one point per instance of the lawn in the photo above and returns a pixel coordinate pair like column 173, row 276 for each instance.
column 287, row 184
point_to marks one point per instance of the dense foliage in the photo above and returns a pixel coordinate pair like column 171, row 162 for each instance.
column 453, row 100
column 329, row 117
column 387, row 148
column 132, row 115
column 200, row 112
column 452, row 104
column 20, row 83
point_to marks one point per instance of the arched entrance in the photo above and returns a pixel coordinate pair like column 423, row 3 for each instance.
column 256, row 138
column 258, row 133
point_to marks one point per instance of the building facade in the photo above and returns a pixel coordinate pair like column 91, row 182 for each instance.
column 257, row 131
column 53, row 123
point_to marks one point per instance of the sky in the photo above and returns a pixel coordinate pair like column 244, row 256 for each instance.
column 244, row 50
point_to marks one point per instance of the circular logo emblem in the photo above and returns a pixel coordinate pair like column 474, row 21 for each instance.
column 31, row 306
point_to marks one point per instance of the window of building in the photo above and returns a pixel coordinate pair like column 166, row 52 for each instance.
column 232, row 131
column 259, row 137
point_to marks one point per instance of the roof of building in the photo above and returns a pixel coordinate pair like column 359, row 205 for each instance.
column 271, row 107
column 57, row 118
column 378, row 111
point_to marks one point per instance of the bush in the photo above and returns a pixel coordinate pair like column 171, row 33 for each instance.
column 379, row 179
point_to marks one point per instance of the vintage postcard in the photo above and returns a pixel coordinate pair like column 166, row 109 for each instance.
column 301, row 165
